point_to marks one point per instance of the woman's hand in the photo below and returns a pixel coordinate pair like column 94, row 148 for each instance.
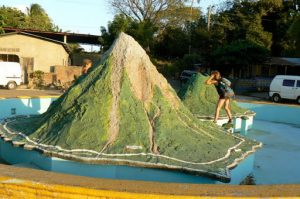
column 211, row 80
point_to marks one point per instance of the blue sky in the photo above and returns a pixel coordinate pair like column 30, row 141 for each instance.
column 79, row 16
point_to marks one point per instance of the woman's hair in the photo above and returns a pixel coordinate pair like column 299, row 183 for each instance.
column 215, row 73
column 87, row 61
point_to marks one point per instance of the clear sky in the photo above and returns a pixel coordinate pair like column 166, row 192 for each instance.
column 79, row 16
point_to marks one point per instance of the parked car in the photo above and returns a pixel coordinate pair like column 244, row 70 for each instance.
column 10, row 74
column 285, row 87
column 186, row 75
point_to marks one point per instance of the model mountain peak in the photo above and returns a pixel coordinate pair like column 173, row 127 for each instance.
column 128, row 55
column 125, row 112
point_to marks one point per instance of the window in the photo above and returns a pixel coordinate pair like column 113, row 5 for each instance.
column 288, row 82
column 298, row 83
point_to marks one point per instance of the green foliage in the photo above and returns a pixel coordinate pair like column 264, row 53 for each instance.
column 168, row 68
column 189, row 60
column 75, row 48
column 172, row 43
column 1, row 24
column 294, row 32
column 38, row 78
column 159, row 13
column 12, row 17
column 36, row 19
column 239, row 25
column 240, row 53
column 243, row 21
column 201, row 99
column 142, row 31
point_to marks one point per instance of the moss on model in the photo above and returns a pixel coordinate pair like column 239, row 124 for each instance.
column 201, row 99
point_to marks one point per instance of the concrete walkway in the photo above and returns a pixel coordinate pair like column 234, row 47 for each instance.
column 4, row 93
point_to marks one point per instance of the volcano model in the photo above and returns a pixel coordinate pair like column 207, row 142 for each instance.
column 201, row 99
column 125, row 112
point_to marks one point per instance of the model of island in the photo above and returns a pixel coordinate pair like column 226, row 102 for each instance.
column 124, row 112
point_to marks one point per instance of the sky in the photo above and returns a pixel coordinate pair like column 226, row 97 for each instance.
column 80, row 16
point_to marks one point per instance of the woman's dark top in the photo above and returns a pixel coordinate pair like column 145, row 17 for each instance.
column 223, row 88
column 220, row 89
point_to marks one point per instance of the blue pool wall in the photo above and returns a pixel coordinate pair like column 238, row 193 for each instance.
column 24, row 106
column 35, row 159
column 288, row 114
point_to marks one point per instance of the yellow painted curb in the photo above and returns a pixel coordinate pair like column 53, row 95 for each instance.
column 46, row 96
column 24, row 97
column 14, row 188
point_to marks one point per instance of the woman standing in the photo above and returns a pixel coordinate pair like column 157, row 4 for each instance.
column 225, row 93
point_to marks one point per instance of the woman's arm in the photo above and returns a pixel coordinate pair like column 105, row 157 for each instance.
column 211, row 80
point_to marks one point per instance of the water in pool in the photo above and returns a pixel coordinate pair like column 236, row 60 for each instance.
column 278, row 161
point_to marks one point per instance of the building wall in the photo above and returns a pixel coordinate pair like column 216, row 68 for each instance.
column 62, row 75
column 44, row 53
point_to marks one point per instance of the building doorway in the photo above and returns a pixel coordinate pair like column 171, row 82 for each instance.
column 27, row 68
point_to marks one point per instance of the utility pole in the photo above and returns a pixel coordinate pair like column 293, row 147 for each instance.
column 208, row 17
column 190, row 24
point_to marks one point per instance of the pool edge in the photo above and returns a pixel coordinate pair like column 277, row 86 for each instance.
column 14, row 181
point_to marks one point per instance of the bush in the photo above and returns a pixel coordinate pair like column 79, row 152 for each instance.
column 38, row 78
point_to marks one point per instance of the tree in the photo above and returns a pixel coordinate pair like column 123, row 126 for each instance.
column 240, row 53
column 142, row 31
column 144, row 10
column 38, row 19
column 243, row 20
column 119, row 24
column 11, row 17
column 156, row 12
column 294, row 32
column 279, row 16
column 172, row 43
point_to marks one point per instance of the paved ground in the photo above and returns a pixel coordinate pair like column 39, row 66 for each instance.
column 4, row 93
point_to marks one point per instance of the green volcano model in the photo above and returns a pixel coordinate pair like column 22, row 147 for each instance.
column 124, row 112
column 201, row 99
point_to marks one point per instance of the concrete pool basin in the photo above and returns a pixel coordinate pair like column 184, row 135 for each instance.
column 36, row 183
column 267, row 114
column 34, row 159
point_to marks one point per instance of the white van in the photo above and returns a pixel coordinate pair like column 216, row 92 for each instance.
column 10, row 74
column 285, row 87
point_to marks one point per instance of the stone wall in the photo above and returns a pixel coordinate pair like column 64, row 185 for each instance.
column 62, row 74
